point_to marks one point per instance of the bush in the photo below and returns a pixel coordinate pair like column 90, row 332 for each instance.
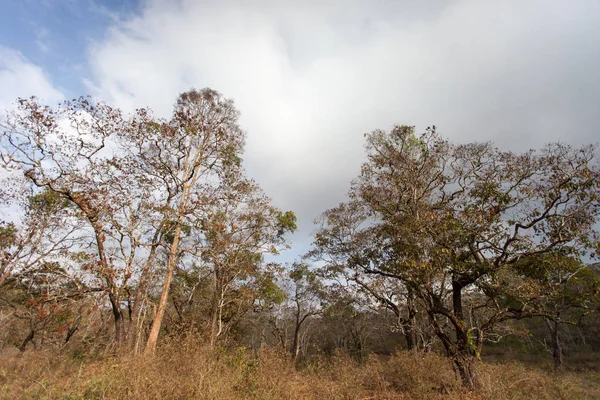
column 191, row 370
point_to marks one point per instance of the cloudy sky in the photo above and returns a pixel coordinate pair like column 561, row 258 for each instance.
column 310, row 77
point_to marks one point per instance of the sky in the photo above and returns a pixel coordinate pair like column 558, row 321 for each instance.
column 311, row 77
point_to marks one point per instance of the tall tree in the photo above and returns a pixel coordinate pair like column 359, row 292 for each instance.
column 306, row 301
column 143, row 188
column 45, row 232
column 72, row 150
column 564, row 290
column 190, row 155
column 197, row 156
column 448, row 220
column 243, row 228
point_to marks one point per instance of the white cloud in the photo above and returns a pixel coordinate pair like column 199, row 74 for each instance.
column 311, row 77
column 41, row 37
column 21, row 78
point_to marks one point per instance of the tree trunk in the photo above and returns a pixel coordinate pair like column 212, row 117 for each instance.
column 215, row 326
column 28, row 339
column 164, row 296
column 134, row 316
column 462, row 354
column 466, row 354
column 173, row 258
column 410, row 330
column 117, row 316
column 72, row 329
column 557, row 352
column 113, row 294
column 457, row 299
column 408, row 336
column 466, row 365
column 280, row 333
column 296, row 343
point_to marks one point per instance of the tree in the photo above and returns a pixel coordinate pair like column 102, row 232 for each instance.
column 306, row 300
column 45, row 232
column 71, row 151
column 41, row 280
column 348, row 325
column 197, row 156
column 563, row 288
column 141, row 187
column 242, row 229
column 447, row 221
column 351, row 236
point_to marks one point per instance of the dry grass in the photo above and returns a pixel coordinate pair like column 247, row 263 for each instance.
column 190, row 371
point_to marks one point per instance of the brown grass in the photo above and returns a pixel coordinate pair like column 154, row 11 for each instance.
column 187, row 370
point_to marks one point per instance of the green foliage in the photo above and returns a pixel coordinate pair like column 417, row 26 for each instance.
column 300, row 271
column 548, row 268
column 563, row 280
column 269, row 291
column 425, row 214
column 8, row 234
column 286, row 222
column 168, row 231
column 305, row 278
column 463, row 237
column 47, row 201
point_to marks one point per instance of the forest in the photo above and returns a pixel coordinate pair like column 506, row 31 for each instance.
column 139, row 260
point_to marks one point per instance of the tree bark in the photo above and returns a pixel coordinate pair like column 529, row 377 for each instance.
column 72, row 329
column 410, row 331
column 215, row 327
column 557, row 351
column 117, row 316
column 466, row 365
column 113, row 294
column 408, row 336
column 466, row 354
column 26, row 341
column 296, row 343
column 134, row 317
column 162, row 304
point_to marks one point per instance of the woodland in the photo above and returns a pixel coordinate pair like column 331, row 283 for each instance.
column 139, row 260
